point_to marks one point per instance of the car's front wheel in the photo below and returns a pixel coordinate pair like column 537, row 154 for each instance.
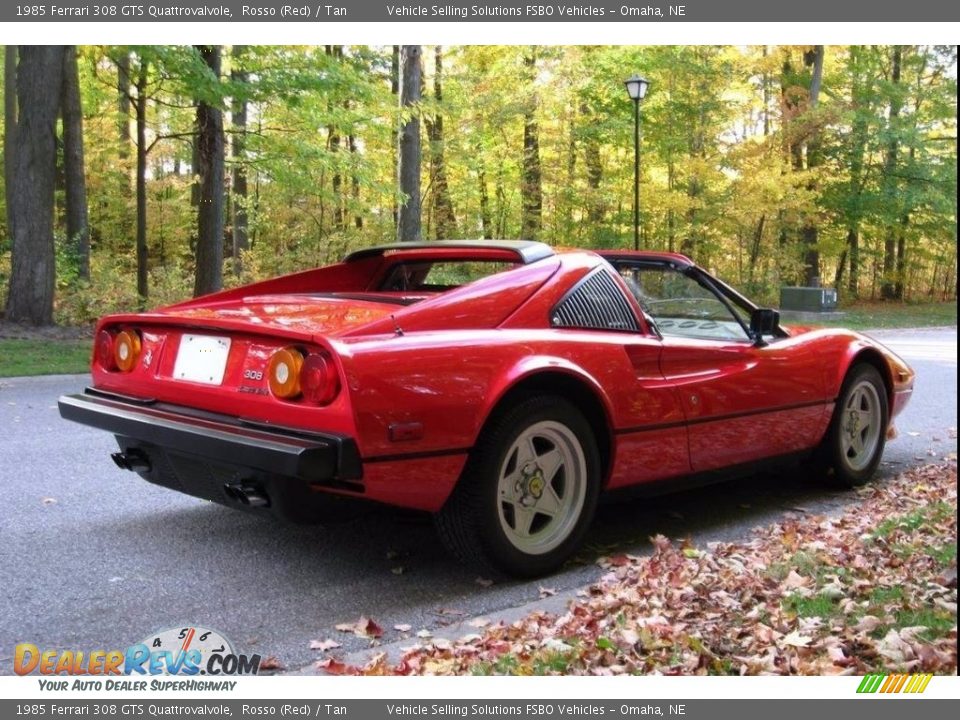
column 529, row 491
column 857, row 435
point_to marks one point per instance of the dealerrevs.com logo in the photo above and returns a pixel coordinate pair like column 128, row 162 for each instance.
column 174, row 651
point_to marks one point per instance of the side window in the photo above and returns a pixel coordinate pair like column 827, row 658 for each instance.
column 595, row 303
column 679, row 305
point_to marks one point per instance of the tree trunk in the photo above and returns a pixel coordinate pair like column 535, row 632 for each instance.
column 857, row 182
column 901, row 269
column 907, row 206
column 486, row 221
column 841, row 267
column 143, row 290
column 765, row 81
column 355, row 184
column 238, row 119
column 565, row 211
column 691, row 240
column 394, row 133
column 888, row 288
column 501, row 195
column 444, row 215
column 123, row 105
column 210, row 151
column 810, row 233
column 195, row 185
column 408, row 225
column 792, row 151
column 78, row 226
column 33, row 264
column 853, row 245
column 531, row 189
column 335, row 52
column 671, row 219
column 754, row 256
column 10, row 134
column 591, row 156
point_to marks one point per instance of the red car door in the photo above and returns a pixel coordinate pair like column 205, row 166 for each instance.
column 742, row 401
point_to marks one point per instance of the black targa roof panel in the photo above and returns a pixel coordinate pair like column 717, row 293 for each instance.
column 527, row 251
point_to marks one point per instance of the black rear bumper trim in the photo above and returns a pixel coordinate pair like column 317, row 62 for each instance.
column 313, row 457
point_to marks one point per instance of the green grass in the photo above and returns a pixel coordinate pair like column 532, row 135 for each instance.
column 866, row 316
column 43, row 357
column 802, row 562
column 813, row 606
column 937, row 622
column 881, row 595
column 553, row 662
column 945, row 555
column 937, row 512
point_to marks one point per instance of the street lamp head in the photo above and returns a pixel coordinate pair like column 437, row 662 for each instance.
column 637, row 87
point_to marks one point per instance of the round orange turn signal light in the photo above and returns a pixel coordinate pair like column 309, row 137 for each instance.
column 284, row 372
column 126, row 349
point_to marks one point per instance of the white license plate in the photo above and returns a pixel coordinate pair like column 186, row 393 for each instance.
column 202, row 359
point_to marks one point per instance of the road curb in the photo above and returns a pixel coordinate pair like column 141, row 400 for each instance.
column 394, row 649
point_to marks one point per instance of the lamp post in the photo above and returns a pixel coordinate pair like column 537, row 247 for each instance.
column 636, row 89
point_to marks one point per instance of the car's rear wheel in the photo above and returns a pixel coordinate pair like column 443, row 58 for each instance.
column 857, row 435
column 529, row 490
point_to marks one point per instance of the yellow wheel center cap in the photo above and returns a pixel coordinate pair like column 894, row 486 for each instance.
column 535, row 485
column 854, row 422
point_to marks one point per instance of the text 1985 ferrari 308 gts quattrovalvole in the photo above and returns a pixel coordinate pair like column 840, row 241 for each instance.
column 501, row 386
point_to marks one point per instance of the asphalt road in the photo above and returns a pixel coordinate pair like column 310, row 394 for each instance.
column 92, row 557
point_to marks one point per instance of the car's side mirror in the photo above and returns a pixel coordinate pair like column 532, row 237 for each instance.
column 764, row 321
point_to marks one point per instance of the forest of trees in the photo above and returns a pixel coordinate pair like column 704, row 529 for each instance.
column 139, row 175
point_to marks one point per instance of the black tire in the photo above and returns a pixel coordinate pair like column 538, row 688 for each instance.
column 495, row 519
column 863, row 394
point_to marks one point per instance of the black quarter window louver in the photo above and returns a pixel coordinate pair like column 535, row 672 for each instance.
column 595, row 303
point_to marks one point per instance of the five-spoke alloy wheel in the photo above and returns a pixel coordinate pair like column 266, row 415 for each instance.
column 543, row 485
column 857, row 435
column 529, row 491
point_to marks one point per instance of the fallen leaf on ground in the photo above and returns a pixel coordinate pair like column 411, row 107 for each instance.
column 336, row 667
column 271, row 663
column 364, row 627
column 832, row 594
column 324, row 645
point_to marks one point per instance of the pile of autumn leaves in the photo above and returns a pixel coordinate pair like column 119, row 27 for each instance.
column 870, row 591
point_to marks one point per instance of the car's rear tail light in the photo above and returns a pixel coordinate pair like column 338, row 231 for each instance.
column 318, row 379
column 126, row 349
column 284, row 372
column 104, row 350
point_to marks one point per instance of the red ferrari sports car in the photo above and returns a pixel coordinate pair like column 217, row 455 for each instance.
column 500, row 385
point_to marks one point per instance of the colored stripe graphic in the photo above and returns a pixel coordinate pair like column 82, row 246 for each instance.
column 912, row 683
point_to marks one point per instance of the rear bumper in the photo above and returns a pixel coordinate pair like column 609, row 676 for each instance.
column 200, row 453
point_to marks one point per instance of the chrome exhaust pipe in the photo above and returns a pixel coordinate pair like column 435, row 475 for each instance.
column 249, row 495
column 133, row 460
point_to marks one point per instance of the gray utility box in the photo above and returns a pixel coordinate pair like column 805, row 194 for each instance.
column 808, row 299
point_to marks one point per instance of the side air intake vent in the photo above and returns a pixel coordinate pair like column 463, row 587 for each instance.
column 595, row 303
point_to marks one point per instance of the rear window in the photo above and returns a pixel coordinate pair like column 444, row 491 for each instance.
column 438, row 276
